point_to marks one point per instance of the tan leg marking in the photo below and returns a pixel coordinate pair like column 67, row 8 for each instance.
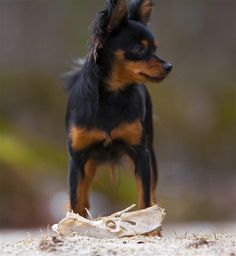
column 141, row 203
column 84, row 188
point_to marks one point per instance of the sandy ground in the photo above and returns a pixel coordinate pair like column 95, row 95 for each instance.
column 178, row 239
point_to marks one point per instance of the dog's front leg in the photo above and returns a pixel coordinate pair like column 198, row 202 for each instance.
column 141, row 158
column 81, row 174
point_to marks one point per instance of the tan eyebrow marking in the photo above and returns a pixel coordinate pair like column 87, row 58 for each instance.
column 156, row 43
column 144, row 43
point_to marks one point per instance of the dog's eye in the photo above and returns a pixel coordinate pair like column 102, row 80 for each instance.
column 139, row 49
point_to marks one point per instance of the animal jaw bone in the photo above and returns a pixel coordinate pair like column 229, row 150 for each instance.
column 119, row 224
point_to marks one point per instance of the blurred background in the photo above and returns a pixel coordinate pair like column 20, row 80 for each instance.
column 194, row 111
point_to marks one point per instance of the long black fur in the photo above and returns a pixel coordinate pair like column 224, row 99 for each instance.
column 92, row 105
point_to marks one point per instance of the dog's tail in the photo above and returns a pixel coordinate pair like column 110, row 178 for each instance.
column 70, row 77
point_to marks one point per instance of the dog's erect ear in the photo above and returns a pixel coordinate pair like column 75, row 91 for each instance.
column 118, row 14
column 107, row 21
column 140, row 10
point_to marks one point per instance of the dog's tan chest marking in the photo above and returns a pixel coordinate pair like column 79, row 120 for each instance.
column 131, row 133
column 81, row 138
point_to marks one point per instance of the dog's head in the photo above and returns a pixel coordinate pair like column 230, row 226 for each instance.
column 121, row 41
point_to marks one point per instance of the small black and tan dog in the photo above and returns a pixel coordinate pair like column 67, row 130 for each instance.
column 109, row 111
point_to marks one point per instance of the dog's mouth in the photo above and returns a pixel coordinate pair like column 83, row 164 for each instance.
column 153, row 78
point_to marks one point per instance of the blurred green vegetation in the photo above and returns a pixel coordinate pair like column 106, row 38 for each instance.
column 194, row 109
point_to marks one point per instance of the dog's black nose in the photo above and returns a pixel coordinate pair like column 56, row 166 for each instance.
column 167, row 67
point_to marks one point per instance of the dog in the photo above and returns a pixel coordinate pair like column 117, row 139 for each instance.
column 109, row 110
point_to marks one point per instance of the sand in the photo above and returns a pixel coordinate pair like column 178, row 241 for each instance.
column 210, row 244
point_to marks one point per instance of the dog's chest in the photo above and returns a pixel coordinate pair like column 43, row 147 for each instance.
column 130, row 133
